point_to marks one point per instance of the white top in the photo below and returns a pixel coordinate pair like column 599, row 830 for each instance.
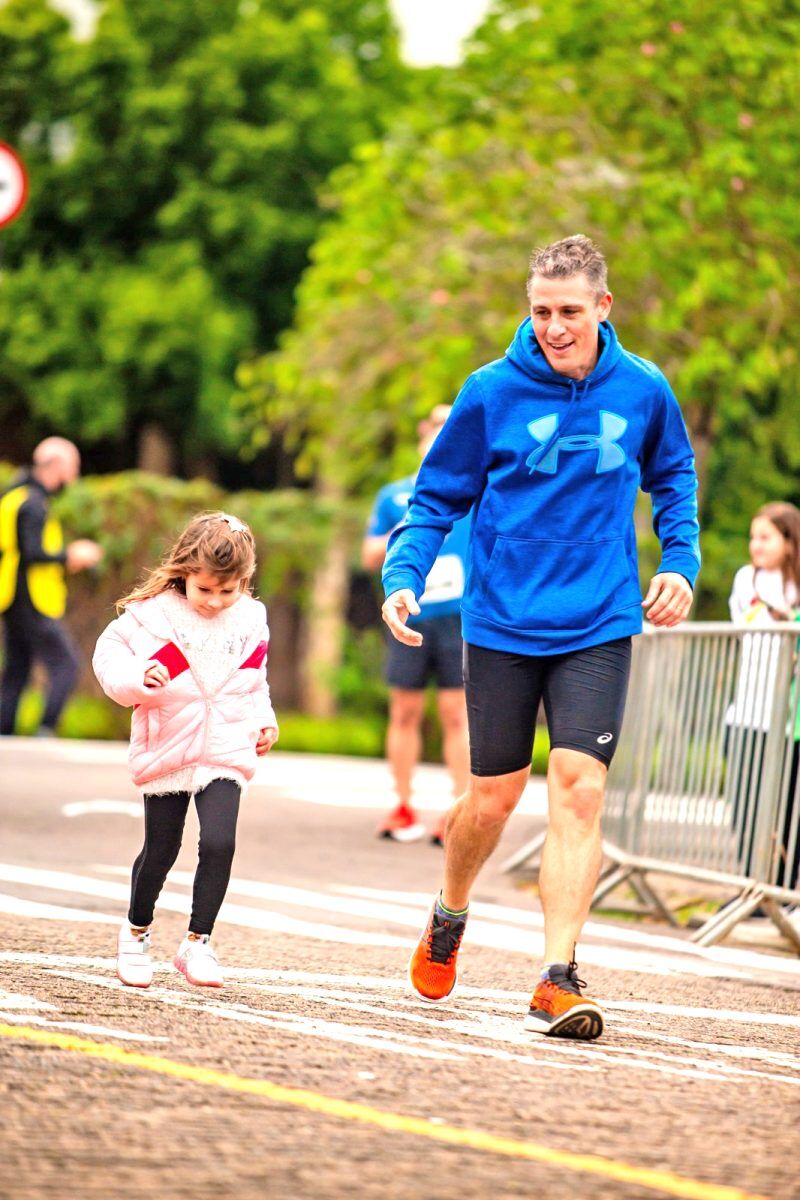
column 754, row 592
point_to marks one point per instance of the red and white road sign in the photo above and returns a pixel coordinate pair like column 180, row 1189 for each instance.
column 13, row 185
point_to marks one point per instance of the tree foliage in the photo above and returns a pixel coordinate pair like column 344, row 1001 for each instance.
column 175, row 160
column 667, row 134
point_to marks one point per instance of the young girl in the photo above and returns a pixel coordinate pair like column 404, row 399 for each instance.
column 764, row 591
column 189, row 654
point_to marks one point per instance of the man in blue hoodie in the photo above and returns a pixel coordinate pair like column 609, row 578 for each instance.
column 548, row 446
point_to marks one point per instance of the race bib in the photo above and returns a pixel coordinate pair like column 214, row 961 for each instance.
column 445, row 581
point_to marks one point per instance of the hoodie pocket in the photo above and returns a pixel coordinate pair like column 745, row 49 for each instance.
column 536, row 584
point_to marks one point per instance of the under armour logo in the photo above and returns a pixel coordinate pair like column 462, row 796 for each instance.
column 545, row 456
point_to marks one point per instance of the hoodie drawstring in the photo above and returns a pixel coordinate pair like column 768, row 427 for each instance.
column 575, row 396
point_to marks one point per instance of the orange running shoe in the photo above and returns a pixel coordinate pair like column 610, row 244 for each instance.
column 559, row 1010
column 432, row 969
column 401, row 825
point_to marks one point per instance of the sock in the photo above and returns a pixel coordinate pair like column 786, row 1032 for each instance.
column 138, row 930
column 443, row 911
column 198, row 937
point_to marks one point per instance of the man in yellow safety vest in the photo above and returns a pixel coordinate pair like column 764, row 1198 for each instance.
column 33, row 560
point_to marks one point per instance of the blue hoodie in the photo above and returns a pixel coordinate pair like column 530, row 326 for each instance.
column 552, row 467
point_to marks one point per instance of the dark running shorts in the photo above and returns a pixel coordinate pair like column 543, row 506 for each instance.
column 437, row 660
column 584, row 701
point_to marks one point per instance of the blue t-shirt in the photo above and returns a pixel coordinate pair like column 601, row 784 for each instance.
column 444, row 585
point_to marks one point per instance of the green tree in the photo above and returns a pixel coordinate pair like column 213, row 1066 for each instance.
column 175, row 163
column 667, row 135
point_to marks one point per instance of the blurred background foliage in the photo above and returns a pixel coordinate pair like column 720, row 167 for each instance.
column 259, row 248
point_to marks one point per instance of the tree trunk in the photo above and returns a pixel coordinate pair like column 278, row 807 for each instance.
column 156, row 452
column 323, row 643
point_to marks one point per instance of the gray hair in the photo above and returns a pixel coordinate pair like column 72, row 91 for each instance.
column 571, row 256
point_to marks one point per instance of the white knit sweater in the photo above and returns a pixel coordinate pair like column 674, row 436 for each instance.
column 213, row 647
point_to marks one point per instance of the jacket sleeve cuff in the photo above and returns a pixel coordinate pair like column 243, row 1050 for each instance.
column 681, row 564
column 397, row 582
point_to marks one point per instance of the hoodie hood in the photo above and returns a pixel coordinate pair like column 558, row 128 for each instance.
column 526, row 353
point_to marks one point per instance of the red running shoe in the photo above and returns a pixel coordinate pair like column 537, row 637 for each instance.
column 432, row 969
column 402, row 825
column 559, row 1010
column 438, row 831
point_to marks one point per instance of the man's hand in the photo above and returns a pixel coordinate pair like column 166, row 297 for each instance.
column 266, row 740
column 396, row 610
column 668, row 599
column 156, row 675
column 82, row 554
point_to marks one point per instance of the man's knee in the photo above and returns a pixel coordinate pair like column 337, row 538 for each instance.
column 577, row 787
column 453, row 713
column 492, row 799
column 406, row 710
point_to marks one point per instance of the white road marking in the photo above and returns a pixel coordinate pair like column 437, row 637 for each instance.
column 9, row 1000
column 470, row 1028
column 17, row 1018
column 16, row 907
column 83, row 808
column 647, row 954
column 236, row 914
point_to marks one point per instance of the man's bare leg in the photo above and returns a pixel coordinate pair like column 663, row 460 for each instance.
column 474, row 826
column 572, row 851
column 452, row 706
column 404, row 739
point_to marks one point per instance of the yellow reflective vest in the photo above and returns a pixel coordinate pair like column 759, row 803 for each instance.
column 46, row 581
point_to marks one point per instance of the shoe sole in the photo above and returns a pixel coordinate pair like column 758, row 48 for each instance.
column 583, row 1023
column 412, row 833
column 429, row 999
column 127, row 982
column 190, row 978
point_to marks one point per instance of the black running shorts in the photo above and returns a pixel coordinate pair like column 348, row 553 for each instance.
column 438, row 660
column 584, row 701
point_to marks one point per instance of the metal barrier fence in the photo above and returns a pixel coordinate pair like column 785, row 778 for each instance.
column 705, row 782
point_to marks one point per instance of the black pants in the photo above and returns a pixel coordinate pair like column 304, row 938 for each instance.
column 164, row 817
column 29, row 637
column 584, row 699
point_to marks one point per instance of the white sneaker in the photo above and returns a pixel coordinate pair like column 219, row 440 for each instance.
column 134, row 967
column 197, row 960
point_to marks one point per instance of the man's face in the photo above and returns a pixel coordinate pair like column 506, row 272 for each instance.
column 565, row 315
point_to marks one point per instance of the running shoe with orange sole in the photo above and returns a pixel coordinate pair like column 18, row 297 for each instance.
column 432, row 969
column 558, row 1008
column 401, row 825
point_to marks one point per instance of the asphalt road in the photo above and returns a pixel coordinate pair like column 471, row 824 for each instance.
column 314, row 1073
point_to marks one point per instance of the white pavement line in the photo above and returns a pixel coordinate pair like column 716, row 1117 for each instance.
column 778, row 1058
column 420, row 1046
column 514, row 930
column 83, row 808
column 16, row 907
column 503, row 1030
column 706, row 1014
column 607, row 931
column 235, row 914
column 19, row 1000
column 124, row 1035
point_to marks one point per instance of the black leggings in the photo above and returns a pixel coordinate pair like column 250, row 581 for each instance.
column 164, row 817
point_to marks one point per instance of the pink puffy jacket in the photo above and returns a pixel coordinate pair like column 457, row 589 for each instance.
column 179, row 725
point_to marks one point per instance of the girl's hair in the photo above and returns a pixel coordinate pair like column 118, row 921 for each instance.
column 213, row 542
column 786, row 519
